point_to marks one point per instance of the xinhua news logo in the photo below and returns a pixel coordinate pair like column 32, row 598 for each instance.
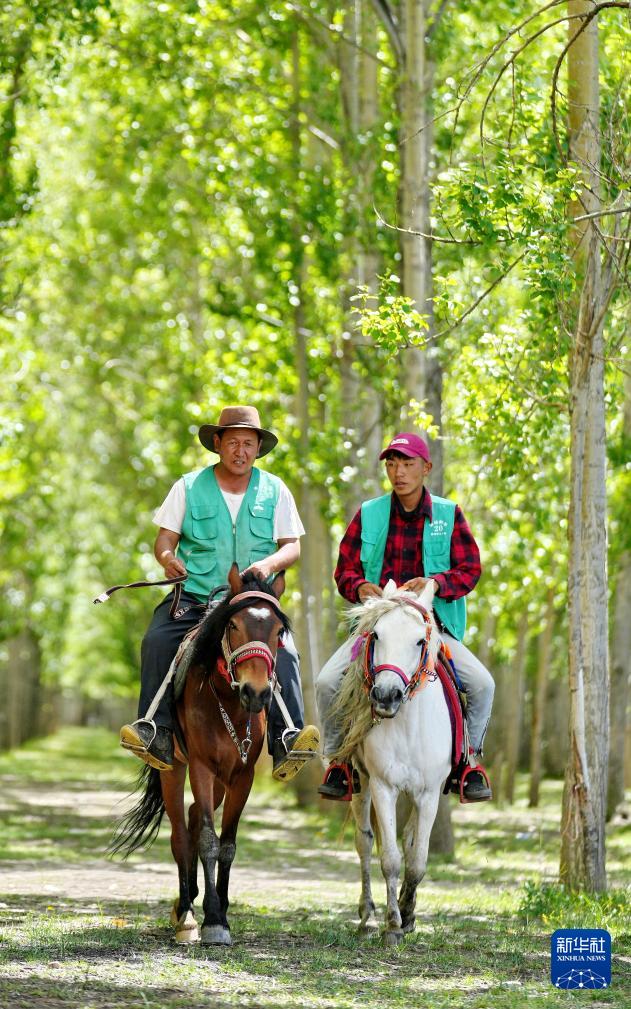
column 580, row 958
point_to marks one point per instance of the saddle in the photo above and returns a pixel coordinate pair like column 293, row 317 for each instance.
column 182, row 661
column 456, row 704
column 463, row 760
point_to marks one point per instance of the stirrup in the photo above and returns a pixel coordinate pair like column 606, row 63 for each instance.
column 353, row 785
column 296, row 754
column 469, row 767
column 139, row 747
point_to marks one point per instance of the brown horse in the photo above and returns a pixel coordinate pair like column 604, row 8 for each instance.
column 221, row 712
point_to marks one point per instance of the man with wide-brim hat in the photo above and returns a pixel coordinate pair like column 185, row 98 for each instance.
column 229, row 512
column 245, row 417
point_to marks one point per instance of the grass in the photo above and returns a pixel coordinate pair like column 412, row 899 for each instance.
column 77, row 930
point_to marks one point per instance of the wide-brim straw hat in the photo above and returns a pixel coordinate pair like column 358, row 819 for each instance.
column 238, row 416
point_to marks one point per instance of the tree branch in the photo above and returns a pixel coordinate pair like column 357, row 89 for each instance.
column 432, row 25
column 384, row 13
column 481, row 298
column 308, row 16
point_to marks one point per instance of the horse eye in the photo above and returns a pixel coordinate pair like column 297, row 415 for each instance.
column 232, row 625
column 421, row 642
column 375, row 636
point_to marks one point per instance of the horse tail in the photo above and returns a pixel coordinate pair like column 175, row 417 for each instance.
column 139, row 827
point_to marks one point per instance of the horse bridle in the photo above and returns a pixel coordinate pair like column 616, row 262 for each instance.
column 421, row 674
column 251, row 649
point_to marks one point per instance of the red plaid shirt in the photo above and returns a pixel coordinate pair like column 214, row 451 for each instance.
column 403, row 555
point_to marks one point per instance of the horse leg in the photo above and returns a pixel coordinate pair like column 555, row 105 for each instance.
column 235, row 800
column 364, row 838
column 194, row 827
column 202, row 784
column 415, row 848
column 385, row 802
column 182, row 916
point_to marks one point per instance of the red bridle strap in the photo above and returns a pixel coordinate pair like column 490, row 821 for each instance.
column 395, row 669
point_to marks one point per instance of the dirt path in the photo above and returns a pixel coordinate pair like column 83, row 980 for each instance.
column 273, row 878
column 78, row 930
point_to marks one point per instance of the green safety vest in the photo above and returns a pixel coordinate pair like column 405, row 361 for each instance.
column 210, row 543
column 375, row 516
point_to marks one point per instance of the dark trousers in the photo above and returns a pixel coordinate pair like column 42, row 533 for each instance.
column 160, row 644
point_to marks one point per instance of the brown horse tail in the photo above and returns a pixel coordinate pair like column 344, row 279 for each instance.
column 139, row 827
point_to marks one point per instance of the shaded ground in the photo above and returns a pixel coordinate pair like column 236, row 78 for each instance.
column 79, row 930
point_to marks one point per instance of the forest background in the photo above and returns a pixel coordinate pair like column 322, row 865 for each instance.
column 356, row 216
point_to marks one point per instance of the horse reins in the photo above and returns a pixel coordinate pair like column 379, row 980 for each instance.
column 177, row 592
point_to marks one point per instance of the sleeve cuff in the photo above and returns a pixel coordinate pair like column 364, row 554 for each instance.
column 441, row 592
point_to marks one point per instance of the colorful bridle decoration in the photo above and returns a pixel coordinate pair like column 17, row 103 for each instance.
column 232, row 657
column 422, row 675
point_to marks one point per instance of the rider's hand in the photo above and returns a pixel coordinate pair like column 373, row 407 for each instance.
column 418, row 584
column 172, row 565
column 261, row 569
column 366, row 590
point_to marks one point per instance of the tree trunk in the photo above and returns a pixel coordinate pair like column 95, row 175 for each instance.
column 582, row 863
column 422, row 372
column 539, row 700
column 361, row 426
column 21, row 690
column 311, row 587
column 620, row 656
column 512, row 727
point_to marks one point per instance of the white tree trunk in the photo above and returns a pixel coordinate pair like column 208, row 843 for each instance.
column 422, row 373
column 620, row 657
column 539, row 700
column 584, row 801
column 361, row 425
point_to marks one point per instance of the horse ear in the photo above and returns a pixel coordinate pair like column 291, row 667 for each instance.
column 426, row 595
column 278, row 584
column 235, row 580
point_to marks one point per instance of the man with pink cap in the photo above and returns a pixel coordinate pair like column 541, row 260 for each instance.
column 410, row 536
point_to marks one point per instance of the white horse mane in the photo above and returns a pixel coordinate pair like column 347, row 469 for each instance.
column 364, row 616
column 353, row 706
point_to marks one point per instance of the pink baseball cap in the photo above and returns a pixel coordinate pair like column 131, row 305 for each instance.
column 408, row 444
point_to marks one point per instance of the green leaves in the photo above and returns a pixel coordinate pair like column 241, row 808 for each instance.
column 389, row 320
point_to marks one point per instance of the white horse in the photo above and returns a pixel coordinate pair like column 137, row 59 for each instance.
column 398, row 733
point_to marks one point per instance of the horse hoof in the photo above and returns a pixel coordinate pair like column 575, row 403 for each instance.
column 186, row 930
column 216, row 935
column 392, row 938
column 185, row 936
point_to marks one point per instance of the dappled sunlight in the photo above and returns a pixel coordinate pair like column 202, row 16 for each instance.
column 69, row 916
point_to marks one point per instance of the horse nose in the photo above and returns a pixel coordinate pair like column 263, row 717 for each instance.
column 386, row 697
column 254, row 700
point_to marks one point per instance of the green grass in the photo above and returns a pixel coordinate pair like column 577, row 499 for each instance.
column 77, row 930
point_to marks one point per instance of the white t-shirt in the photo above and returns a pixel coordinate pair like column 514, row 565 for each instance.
column 287, row 523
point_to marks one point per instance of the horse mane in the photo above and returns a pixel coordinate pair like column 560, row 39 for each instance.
column 213, row 623
column 353, row 707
